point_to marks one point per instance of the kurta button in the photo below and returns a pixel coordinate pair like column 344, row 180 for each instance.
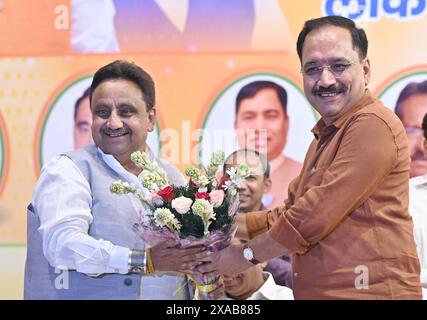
column 296, row 274
column 128, row 282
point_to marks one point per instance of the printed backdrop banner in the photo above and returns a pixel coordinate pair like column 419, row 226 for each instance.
column 200, row 53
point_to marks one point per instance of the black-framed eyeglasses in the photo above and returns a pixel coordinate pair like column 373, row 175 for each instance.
column 337, row 69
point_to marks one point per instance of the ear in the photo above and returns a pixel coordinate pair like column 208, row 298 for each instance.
column 151, row 119
column 286, row 122
column 367, row 71
column 267, row 184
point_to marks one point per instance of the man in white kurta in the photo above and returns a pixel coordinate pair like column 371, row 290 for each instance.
column 418, row 210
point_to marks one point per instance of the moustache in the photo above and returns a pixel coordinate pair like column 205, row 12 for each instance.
column 317, row 90
column 116, row 132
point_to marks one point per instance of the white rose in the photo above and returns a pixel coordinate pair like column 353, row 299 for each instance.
column 182, row 204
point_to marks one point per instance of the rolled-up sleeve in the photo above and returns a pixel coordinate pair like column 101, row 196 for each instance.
column 261, row 221
column 366, row 154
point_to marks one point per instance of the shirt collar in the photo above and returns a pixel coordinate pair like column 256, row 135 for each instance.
column 267, row 290
column 321, row 129
column 419, row 182
column 121, row 171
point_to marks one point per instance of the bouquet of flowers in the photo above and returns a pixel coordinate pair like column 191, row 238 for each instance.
column 200, row 213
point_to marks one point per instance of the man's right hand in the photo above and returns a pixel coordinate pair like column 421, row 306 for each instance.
column 167, row 257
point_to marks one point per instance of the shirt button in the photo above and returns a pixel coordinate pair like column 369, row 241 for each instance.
column 128, row 282
column 296, row 274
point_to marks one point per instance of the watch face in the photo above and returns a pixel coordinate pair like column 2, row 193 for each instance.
column 248, row 254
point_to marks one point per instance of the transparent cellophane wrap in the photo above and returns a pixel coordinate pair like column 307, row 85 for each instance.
column 215, row 241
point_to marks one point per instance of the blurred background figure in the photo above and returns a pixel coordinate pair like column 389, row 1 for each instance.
column 82, row 121
column 262, row 124
column 411, row 106
column 250, row 194
column 418, row 211
column 93, row 27
column 184, row 25
column 255, row 284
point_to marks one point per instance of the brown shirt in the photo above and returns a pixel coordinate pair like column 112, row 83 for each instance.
column 346, row 217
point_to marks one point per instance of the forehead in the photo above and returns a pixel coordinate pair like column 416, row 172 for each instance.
column 414, row 108
column 250, row 159
column 264, row 99
column 117, row 88
column 328, row 42
column 83, row 108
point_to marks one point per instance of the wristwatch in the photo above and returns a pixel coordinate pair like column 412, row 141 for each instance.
column 248, row 254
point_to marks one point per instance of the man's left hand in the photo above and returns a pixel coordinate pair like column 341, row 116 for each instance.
column 229, row 261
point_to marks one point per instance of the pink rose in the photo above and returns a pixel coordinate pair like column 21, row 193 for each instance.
column 216, row 197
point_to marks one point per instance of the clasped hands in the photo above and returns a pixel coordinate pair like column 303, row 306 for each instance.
column 197, row 260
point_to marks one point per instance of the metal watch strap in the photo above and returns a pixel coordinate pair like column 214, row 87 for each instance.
column 137, row 261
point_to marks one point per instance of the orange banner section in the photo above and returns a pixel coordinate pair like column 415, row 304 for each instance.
column 34, row 27
column 187, row 86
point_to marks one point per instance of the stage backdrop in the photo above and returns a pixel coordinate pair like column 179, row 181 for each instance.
column 199, row 53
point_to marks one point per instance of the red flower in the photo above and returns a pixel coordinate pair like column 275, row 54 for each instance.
column 202, row 195
column 166, row 194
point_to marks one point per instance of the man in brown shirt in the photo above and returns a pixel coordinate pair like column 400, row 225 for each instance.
column 346, row 217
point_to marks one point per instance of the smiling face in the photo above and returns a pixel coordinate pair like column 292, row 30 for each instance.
column 330, row 95
column 255, row 185
column 262, row 112
column 121, row 121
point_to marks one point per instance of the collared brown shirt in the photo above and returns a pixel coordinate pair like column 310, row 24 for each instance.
column 346, row 217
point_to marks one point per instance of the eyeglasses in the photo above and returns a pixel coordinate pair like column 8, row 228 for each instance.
column 337, row 69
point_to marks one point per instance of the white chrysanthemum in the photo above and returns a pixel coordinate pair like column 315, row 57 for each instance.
column 217, row 158
column 164, row 217
column 192, row 172
column 141, row 159
column 243, row 171
column 157, row 177
column 161, row 176
column 148, row 180
column 201, row 181
column 120, row 187
column 204, row 209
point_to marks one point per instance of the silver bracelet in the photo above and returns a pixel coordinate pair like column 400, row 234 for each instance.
column 137, row 261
